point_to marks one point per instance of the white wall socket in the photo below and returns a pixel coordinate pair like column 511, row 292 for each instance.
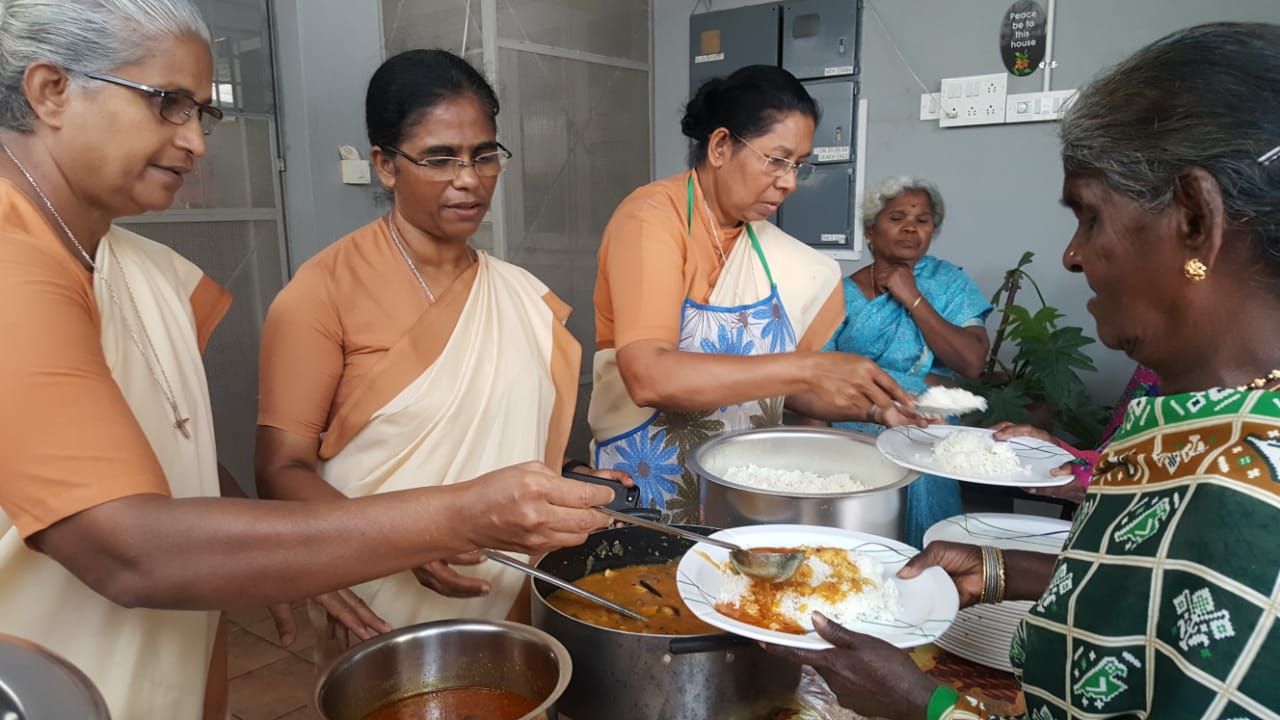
column 974, row 100
column 1038, row 106
column 930, row 105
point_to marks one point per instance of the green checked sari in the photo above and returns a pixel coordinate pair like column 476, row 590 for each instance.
column 1164, row 602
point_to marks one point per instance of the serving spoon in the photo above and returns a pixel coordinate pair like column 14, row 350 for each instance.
column 532, row 571
column 772, row 564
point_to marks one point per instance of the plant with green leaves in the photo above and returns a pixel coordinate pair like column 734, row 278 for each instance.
column 1042, row 382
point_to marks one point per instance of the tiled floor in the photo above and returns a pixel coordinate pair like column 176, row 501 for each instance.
column 269, row 682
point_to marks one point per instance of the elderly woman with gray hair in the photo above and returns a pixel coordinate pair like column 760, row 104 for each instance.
column 1163, row 601
column 114, row 547
column 918, row 317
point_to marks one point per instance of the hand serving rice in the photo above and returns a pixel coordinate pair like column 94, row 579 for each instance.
column 977, row 454
column 939, row 401
column 844, row 585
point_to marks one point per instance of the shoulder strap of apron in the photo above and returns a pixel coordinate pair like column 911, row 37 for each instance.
column 751, row 233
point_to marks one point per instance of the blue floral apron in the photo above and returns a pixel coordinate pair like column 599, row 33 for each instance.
column 654, row 452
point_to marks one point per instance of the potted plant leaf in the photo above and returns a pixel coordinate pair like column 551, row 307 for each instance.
column 1041, row 382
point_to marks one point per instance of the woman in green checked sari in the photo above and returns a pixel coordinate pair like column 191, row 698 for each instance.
column 1164, row 601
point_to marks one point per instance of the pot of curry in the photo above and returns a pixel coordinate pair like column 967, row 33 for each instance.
column 672, row 668
column 447, row 670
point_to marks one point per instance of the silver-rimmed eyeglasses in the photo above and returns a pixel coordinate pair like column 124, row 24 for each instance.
column 779, row 166
column 176, row 106
column 440, row 167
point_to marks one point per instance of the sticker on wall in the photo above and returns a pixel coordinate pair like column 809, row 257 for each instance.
column 831, row 154
column 1022, row 37
column 709, row 49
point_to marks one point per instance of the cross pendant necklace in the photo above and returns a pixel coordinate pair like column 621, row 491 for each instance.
column 157, row 370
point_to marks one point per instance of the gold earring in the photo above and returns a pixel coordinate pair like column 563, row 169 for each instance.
column 1195, row 270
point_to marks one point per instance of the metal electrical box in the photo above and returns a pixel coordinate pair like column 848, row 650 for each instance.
column 833, row 141
column 723, row 41
column 820, row 211
column 820, row 38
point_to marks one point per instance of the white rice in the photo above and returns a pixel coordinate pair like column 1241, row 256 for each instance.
column 951, row 401
column 793, row 481
column 874, row 602
column 977, row 454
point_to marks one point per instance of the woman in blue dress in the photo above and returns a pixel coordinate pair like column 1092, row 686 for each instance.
column 920, row 318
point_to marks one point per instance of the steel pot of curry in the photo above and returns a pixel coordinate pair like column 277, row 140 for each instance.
column 483, row 669
column 672, row 668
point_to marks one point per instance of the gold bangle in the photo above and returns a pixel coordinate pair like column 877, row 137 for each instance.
column 917, row 302
column 1001, row 587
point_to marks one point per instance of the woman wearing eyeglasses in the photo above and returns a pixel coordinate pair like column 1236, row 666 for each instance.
column 400, row 357
column 709, row 318
column 115, row 549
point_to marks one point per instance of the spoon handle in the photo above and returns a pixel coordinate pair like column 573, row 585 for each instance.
column 665, row 528
column 532, row 571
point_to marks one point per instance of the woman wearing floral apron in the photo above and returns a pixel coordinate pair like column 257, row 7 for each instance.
column 710, row 319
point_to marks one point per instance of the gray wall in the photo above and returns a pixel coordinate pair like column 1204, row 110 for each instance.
column 1001, row 182
column 326, row 50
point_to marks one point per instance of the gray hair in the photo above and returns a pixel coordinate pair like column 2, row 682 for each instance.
column 82, row 36
column 873, row 203
column 1202, row 97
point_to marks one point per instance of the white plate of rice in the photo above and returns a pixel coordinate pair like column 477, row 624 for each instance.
column 973, row 455
column 905, row 613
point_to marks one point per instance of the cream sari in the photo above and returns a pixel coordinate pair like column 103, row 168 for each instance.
column 491, row 379
column 148, row 664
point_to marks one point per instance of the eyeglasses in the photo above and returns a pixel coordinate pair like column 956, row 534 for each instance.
column 779, row 166
column 447, row 168
column 176, row 106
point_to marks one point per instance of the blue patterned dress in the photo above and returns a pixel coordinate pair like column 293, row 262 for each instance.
column 882, row 330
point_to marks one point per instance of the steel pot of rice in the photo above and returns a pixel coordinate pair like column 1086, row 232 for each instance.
column 801, row 475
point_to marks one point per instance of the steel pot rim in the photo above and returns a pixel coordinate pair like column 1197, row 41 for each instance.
column 563, row 660
column 694, row 462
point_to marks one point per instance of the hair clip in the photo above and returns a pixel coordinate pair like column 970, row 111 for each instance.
column 1269, row 156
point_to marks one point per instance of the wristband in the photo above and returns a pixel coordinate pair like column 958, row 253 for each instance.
column 917, row 302
column 942, row 700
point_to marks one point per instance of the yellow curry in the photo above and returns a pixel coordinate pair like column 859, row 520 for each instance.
column 650, row 590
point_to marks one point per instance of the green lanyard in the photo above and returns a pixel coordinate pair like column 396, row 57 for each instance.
column 755, row 243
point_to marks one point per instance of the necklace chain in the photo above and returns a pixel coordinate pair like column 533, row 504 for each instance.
column 404, row 253
column 157, row 369
column 715, row 228
column 1270, row 378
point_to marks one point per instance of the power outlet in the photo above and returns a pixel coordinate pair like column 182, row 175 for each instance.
column 974, row 100
column 1038, row 106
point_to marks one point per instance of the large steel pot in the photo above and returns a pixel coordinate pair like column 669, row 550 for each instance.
column 632, row 676
column 35, row 683
column 823, row 451
column 444, row 654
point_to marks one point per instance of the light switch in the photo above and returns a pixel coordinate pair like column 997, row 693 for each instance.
column 355, row 172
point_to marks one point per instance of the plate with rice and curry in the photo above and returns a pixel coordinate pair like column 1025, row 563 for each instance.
column 850, row 577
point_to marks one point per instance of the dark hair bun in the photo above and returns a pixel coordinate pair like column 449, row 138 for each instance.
column 748, row 103
column 695, row 123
